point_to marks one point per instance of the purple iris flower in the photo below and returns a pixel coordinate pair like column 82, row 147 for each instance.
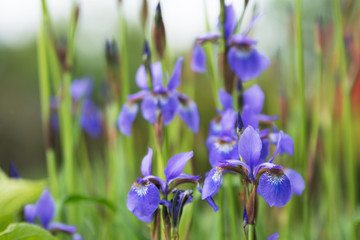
column 81, row 88
column 244, row 59
column 44, row 211
column 91, row 119
column 144, row 196
column 274, row 183
column 273, row 237
column 159, row 99
column 54, row 119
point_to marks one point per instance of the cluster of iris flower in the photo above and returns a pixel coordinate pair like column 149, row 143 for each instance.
column 90, row 115
column 43, row 211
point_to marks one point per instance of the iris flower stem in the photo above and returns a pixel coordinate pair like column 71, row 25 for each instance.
column 45, row 92
column 346, row 109
column 302, row 130
column 211, row 64
column 251, row 232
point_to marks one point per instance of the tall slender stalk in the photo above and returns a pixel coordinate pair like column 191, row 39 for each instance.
column 301, row 151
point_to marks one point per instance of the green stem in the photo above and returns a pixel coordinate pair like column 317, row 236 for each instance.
column 231, row 207
column 251, row 232
column 301, row 151
column 346, row 109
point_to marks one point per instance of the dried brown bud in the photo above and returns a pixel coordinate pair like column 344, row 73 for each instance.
column 159, row 32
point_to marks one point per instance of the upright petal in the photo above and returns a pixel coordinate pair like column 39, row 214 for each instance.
column 157, row 75
column 273, row 237
column 143, row 200
column 45, row 208
column 212, row 183
column 228, row 120
column 126, row 117
column 146, row 163
column 169, row 107
column 250, row 146
column 175, row 79
column 30, row 213
column 221, row 150
column 226, row 99
column 141, row 78
column 247, row 65
column 149, row 108
column 80, row 88
column 254, row 98
column 198, row 61
column 176, row 165
column 230, row 20
column 188, row 112
column 296, row 180
column 249, row 117
column 275, row 189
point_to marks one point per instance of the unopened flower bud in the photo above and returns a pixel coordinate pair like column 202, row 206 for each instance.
column 144, row 13
column 239, row 124
column 111, row 53
column 159, row 32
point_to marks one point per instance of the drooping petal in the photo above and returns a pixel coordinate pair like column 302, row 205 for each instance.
column 247, row 65
column 198, row 61
column 157, row 181
column 169, row 107
column 188, row 112
column 126, row 117
column 273, row 237
column 215, row 127
column 30, row 213
column 254, row 98
column 62, row 227
column 45, row 208
column 286, row 144
column 226, row 99
column 275, row 189
column 278, row 146
column 296, row 180
column 138, row 96
column 234, row 162
column 266, row 165
column 149, row 108
column 176, row 165
column 80, row 88
column 175, row 79
column 77, row 236
column 146, row 163
column 267, row 118
column 250, row 146
column 143, row 200
column 221, row 150
column 187, row 176
column 210, row 36
column 212, row 183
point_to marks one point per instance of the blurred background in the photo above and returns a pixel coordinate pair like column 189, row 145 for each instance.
column 21, row 137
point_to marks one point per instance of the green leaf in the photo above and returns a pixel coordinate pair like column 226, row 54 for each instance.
column 25, row 231
column 78, row 197
column 14, row 194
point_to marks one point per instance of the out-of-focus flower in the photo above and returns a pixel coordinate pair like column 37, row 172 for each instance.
column 91, row 119
column 44, row 211
column 81, row 88
column 159, row 99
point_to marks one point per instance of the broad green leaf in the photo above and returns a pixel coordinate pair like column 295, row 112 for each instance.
column 25, row 231
column 77, row 197
column 14, row 194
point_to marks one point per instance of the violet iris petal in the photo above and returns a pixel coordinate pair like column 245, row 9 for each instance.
column 126, row 117
column 222, row 150
column 212, row 183
column 278, row 146
column 226, row 99
column 138, row 96
column 169, row 106
column 209, row 36
column 143, row 200
column 146, row 163
column 273, row 237
column 286, row 145
column 45, row 208
column 247, row 65
column 230, row 21
column 254, row 98
column 77, row 236
column 296, row 180
column 275, row 189
column 176, row 165
column 250, row 146
column 156, row 72
column 80, row 88
column 249, row 117
column 228, row 120
column 62, row 227
column 13, row 172
column 175, row 79
column 198, row 61
column 149, row 108
column 91, row 119
column 30, row 213
column 188, row 112
column 265, row 150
